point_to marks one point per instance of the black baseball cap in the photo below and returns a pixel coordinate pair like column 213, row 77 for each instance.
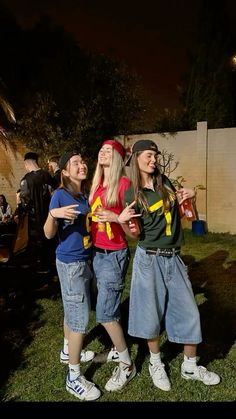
column 142, row 145
column 66, row 157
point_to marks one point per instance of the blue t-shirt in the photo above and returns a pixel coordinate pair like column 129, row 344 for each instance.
column 75, row 242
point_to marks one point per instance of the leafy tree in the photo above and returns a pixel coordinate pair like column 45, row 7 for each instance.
column 64, row 96
column 209, row 94
column 39, row 125
column 169, row 120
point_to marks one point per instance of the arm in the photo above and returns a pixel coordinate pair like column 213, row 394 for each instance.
column 51, row 225
column 24, row 193
column 106, row 216
column 9, row 211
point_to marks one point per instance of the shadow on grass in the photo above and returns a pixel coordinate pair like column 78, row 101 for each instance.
column 215, row 285
column 20, row 314
column 218, row 284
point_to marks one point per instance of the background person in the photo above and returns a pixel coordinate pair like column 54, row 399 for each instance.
column 54, row 169
column 35, row 194
column 5, row 209
column 7, row 224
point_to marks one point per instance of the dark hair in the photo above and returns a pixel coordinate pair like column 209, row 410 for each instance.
column 4, row 204
column 31, row 156
column 66, row 157
column 55, row 158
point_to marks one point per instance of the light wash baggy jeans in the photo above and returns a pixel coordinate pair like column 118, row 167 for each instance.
column 160, row 289
column 75, row 288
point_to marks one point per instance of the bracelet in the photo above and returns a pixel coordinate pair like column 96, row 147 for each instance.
column 52, row 215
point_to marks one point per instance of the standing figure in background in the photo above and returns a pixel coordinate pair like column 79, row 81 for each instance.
column 35, row 194
column 111, row 253
column 54, row 169
column 70, row 217
column 19, row 211
column 5, row 209
column 160, row 286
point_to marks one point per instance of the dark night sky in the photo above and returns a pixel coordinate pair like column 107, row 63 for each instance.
column 151, row 37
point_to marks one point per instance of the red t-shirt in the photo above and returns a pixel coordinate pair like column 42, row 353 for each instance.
column 114, row 237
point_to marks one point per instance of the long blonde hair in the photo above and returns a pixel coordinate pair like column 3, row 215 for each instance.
column 116, row 172
column 162, row 188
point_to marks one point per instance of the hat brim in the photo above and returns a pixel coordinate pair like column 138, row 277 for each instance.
column 127, row 163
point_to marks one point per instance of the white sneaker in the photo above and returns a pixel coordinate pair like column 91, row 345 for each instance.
column 121, row 376
column 201, row 374
column 113, row 355
column 85, row 356
column 82, row 388
column 159, row 376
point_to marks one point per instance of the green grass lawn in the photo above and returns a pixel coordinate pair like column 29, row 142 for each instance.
column 33, row 334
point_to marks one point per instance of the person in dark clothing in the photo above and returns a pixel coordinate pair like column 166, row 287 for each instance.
column 19, row 211
column 36, row 189
column 54, row 169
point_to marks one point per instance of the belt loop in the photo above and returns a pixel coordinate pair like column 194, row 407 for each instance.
column 158, row 252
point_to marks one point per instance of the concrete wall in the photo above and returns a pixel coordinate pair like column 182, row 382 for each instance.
column 205, row 157
column 221, row 180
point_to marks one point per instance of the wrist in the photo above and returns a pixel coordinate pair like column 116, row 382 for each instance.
column 52, row 216
column 118, row 220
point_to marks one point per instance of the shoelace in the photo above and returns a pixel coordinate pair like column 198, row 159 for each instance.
column 116, row 376
column 203, row 372
column 86, row 383
column 82, row 382
column 159, row 368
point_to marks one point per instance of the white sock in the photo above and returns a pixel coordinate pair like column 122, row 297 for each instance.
column 155, row 358
column 190, row 363
column 65, row 347
column 125, row 357
column 74, row 371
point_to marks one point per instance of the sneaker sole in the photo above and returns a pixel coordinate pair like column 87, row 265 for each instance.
column 71, row 391
column 186, row 377
column 161, row 388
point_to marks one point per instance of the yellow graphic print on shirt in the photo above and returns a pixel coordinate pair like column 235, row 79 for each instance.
column 94, row 206
column 157, row 206
column 87, row 239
